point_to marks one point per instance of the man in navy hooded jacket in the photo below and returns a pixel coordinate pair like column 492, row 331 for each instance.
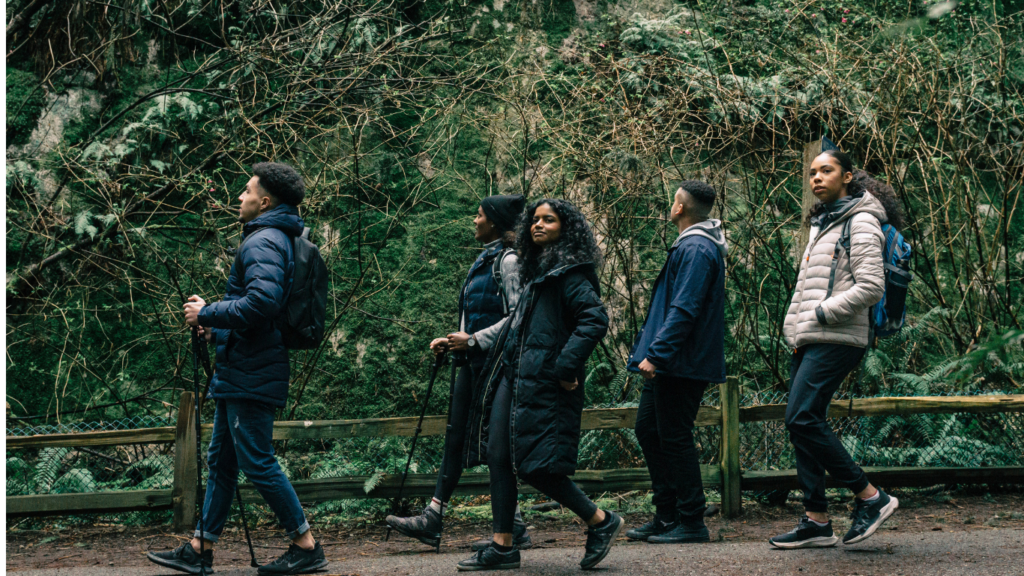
column 251, row 377
column 679, row 351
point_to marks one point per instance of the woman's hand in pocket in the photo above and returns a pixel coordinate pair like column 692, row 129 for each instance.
column 570, row 386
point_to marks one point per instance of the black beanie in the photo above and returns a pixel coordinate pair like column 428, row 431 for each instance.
column 503, row 211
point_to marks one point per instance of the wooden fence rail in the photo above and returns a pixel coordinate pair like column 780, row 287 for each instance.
column 727, row 476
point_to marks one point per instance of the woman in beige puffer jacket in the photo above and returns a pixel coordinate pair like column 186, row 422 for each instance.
column 828, row 330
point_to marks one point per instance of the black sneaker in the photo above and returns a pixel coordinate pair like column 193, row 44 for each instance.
column 490, row 558
column 868, row 516
column 806, row 535
column 426, row 527
column 653, row 528
column 688, row 530
column 600, row 540
column 520, row 539
column 184, row 558
column 297, row 561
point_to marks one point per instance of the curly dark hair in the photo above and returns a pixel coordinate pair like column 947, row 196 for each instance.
column 853, row 189
column 885, row 194
column 575, row 245
column 281, row 181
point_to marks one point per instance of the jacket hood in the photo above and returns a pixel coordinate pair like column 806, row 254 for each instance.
column 710, row 229
column 284, row 217
column 586, row 268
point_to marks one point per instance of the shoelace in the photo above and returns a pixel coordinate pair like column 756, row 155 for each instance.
column 859, row 515
column 292, row 552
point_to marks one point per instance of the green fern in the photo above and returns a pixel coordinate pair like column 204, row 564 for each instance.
column 48, row 468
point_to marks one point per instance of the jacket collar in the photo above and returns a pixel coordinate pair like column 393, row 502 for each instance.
column 284, row 217
column 867, row 204
column 493, row 247
column 555, row 272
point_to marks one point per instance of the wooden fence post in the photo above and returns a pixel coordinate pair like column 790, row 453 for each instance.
column 183, row 494
column 730, row 457
column 811, row 151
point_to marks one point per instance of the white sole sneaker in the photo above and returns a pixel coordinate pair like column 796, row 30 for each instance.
column 818, row 542
column 886, row 511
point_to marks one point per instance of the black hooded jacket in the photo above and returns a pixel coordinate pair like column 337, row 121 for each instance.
column 559, row 321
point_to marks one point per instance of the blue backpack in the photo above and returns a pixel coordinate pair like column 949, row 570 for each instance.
column 888, row 315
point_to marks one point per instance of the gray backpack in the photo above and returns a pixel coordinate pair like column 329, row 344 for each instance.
column 496, row 274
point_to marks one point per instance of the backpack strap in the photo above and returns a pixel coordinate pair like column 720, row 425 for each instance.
column 842, row 245
column 497, row 275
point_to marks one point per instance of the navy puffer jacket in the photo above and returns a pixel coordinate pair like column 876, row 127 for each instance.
column 252, row 362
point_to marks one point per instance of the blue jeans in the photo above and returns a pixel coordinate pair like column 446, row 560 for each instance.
column 242, row 431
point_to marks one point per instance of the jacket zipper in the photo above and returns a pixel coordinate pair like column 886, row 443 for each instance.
column 811, row 245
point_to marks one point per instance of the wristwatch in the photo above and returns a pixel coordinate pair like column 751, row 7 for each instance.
column 472, row 340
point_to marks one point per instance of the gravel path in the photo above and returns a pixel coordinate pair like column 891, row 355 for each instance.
column 993, row 552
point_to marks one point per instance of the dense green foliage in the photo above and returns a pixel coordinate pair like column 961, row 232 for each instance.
column 402, row 116
column 25, row 101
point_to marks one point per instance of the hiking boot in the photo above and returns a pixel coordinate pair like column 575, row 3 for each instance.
column 520, row 539
column 600, row 539
column 807, row 534
column 688, row 530
column 868, row 516
column 184, row 558
column 653, row 528
column 296, row 561
column 490, row 558
column 426, row 527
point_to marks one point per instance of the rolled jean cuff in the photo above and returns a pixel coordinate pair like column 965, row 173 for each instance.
column 208, row 536
column 293, row 534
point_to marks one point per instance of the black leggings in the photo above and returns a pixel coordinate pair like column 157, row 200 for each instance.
column 503, row 480
column 451, row 464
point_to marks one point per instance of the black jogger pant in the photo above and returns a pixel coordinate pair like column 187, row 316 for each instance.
column 816, row 372
column 503, row 479
column 664, row 429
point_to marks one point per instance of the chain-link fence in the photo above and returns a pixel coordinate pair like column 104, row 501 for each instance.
column 63, row 470
column 959, row 440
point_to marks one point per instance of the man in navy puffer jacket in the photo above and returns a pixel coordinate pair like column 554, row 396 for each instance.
column 251, row 378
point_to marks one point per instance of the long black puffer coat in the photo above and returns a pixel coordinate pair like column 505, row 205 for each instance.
column 559, row 321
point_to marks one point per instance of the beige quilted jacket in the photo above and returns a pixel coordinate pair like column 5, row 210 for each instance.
column 859, row 281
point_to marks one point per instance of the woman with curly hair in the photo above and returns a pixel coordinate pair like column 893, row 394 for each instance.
column 828, row 329
column 535, row 377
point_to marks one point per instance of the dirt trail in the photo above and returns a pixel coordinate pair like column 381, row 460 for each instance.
column 922, row 523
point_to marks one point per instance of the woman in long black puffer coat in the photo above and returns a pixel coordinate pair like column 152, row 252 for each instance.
column 528, row 410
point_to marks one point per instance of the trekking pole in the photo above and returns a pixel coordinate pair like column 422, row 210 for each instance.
column 196, row 351
column 245, row 524
column 438, row 362
column 447, row 436
column 204, row 358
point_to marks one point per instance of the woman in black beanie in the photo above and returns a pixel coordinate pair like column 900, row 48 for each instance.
column 489, row 294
